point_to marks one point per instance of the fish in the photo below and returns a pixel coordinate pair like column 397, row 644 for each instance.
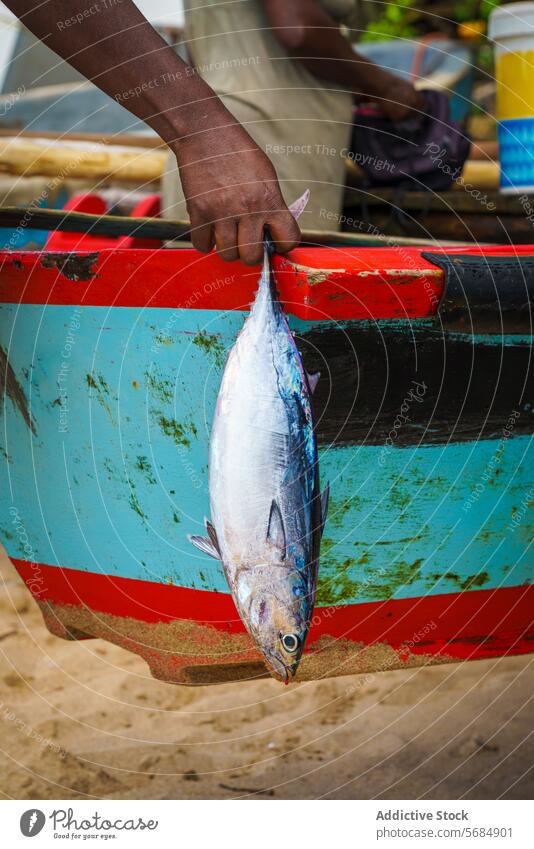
column 267, row 512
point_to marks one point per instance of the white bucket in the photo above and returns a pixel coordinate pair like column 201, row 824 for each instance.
column 511, row 27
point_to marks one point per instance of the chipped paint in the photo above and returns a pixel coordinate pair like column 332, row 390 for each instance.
column 75, row 267
column 403, row 274
column 314, row 275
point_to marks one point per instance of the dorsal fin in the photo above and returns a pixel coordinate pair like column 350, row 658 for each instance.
column 298, row 206
column 276, row 533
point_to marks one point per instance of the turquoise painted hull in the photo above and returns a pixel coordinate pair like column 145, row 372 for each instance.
column 118, row 467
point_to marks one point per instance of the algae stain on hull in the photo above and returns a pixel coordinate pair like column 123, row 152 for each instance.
column 353, row 578
column 98, row 385
column 134, row 503
column 339, row 509
column 144, row 466
column 181, row 434
column 471, row 582
column 10, row 386
column 212, row 346
column 159, row 387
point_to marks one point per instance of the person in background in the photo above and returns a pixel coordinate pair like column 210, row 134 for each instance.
column 286, row 72
column 265, row 77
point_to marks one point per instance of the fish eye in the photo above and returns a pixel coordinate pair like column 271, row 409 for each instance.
column 290, row 642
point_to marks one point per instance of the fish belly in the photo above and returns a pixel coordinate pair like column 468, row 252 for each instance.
column 253, row 456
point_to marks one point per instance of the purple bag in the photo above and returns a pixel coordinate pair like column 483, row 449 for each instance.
column 426, row 154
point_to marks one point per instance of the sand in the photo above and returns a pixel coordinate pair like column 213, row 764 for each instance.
column 86, row 720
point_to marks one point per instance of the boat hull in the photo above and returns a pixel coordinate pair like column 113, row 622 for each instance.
column 113, row 363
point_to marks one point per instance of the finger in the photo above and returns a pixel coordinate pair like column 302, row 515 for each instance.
column 202, row 236
column 226, row 239
column 250, row 239
column 285, row 231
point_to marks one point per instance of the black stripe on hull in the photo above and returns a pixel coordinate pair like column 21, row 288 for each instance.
column 417, row 385
column 486, row 294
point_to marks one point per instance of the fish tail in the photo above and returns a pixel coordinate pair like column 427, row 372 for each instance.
column 267, row 291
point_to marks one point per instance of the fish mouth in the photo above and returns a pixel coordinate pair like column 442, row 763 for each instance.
column 279, row 670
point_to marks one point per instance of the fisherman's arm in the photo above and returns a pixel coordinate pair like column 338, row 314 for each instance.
column 230, row 185
column 312, row 37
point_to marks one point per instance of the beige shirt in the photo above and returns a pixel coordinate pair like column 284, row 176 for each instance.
column 302, row 123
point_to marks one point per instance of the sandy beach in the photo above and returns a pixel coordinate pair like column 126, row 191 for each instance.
column 85, row 720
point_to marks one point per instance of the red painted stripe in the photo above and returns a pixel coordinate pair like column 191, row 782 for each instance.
column 352, row 283
column 480, row 623
column 315, row 283
column 355, row 284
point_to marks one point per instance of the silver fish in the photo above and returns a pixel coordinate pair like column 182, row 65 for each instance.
column 267, row 511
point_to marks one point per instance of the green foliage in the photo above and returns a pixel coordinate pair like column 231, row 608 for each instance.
column 394, row 22
column 397, row 19
column 487, row 6
column 474, row 10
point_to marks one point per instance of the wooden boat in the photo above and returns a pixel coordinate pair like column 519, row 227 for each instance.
column 110, row 365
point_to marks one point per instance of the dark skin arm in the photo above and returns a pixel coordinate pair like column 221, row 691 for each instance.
column 230, row 185
column 312, row 37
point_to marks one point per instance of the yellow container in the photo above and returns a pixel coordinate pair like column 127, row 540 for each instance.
column 515, row 84
column 511, row 27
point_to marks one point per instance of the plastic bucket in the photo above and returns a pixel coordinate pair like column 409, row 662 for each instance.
column 511, row 27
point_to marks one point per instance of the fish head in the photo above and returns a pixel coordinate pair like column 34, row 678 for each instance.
column 278, row 619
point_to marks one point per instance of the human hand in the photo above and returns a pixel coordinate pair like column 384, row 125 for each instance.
column 232, row 194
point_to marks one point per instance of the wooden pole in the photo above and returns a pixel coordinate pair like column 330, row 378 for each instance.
column 55, row 158
column 167, row 229
column 122, row 139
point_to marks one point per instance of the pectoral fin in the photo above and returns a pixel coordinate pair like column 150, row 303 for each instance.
column 207, row 546
column 212, row 533
column 204, row 545
column 276, row 534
